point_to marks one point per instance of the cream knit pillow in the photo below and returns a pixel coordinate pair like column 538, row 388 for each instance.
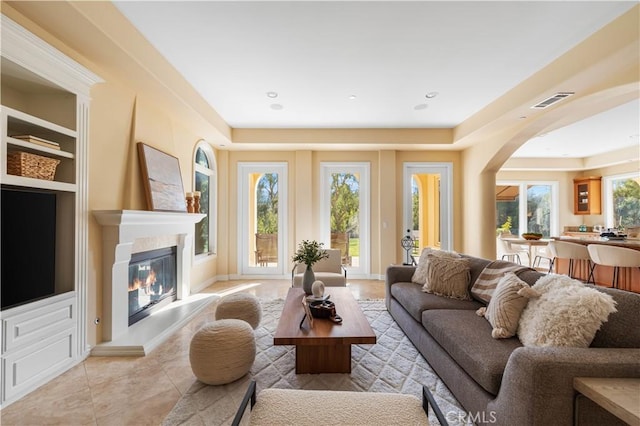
column 420, row 274
column 509, row 299
column 448, row 276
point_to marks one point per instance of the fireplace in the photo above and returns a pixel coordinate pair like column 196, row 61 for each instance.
column 125, row 233
column 152, row 282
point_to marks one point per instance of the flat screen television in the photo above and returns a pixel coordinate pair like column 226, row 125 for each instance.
column 28, row 250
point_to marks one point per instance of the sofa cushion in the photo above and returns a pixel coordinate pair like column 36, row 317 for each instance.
column 616, row 333
column 448, row 277
column 566, row 314
column 415, row 301
column 467, row 339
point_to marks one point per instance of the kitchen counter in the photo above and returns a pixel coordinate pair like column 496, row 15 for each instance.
column 629, row 278
column 586, row 240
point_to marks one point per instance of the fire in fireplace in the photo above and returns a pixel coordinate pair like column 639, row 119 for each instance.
column 152, row 282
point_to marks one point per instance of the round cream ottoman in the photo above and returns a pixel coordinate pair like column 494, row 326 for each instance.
column 242, row 306
column 222, row 351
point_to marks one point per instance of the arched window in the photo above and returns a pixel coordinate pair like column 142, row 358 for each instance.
column 206, row 181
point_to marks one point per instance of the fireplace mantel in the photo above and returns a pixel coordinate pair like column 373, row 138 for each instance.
column 120, row 229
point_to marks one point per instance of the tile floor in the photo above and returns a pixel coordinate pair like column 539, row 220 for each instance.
column 138, row 390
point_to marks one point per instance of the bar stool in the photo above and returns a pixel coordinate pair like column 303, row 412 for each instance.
column 618, row 257
column 571, row 251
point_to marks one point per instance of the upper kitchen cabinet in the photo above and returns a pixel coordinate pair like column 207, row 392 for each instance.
column 587, row 195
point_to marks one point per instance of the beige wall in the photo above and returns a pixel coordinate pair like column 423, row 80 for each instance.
column 147, row 101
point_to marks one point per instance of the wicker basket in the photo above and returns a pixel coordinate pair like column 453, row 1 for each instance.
column 30, row 165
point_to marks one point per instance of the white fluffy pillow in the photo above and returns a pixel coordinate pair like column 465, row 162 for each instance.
column 567, row 313
column 420, row 275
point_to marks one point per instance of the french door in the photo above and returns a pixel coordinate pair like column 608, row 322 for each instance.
column 262, row 219
column 427, row 201
column 345, row 212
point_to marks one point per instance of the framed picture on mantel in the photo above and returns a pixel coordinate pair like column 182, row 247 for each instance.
column 162, row 180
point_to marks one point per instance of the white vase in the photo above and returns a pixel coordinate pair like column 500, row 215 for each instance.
column 307, row 280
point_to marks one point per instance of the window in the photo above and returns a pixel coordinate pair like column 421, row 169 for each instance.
column 345, row 213
column 622, row 200
column 527, row 207
column 262, row 218
column 205, row 181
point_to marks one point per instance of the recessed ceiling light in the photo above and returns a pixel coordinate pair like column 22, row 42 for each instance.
column 420, row 106
column 277, row 107
column 272, row 95
column 431, row 95
column 352, row 97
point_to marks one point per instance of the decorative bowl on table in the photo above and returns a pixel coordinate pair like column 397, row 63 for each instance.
column 531, row 236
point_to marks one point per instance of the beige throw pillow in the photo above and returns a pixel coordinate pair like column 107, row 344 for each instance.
column 509, row 299
column 567, row 313
column 420, row 274
column 448, row 277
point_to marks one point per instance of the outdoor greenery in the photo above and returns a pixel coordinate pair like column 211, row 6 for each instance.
column 538, row 212
column 267, row 204
column 345, row 202
column 309, row 252
column 626, row 201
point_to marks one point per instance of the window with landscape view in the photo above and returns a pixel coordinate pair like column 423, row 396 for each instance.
column 527, row 207
column 345, row 208
column 622, row 200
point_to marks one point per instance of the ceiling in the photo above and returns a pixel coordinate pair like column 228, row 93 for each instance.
column 338, row 64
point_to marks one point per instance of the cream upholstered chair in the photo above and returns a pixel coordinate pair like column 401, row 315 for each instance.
column 329, row 270
column 618, row 257
column 571, row 251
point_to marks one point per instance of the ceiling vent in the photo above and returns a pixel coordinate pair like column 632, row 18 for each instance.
column 552, row 100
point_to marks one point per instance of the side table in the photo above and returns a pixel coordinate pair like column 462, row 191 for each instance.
column 619, row 396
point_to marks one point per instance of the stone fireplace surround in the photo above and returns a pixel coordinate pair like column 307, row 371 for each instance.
column 125, row 232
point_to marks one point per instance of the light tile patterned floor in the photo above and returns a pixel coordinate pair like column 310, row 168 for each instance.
column 138, row 390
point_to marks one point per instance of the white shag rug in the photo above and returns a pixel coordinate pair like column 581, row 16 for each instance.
column 391, row 365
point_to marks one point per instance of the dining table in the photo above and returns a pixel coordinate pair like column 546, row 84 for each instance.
column 531, row 244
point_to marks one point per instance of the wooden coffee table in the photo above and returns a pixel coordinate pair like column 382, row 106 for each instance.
column 326, row 347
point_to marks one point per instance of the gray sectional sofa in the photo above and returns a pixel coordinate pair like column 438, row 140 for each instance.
column 499, row 381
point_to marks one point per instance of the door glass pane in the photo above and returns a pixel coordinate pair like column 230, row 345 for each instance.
column 202, row 227
column 539, row 209
column 264, row 220
column 425, row 202
column 344, row 214
column 507, row 208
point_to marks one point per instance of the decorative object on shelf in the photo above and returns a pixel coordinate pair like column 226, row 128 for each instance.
column 408, row 243
column 309, row 252
column 317, row 289
column 189, row 199
column 582, row 228
column 196, row 202
column 162, row 180
column 531, row 236
column 31, row 165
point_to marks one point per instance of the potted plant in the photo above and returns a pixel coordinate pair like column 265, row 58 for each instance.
column 309, row 252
